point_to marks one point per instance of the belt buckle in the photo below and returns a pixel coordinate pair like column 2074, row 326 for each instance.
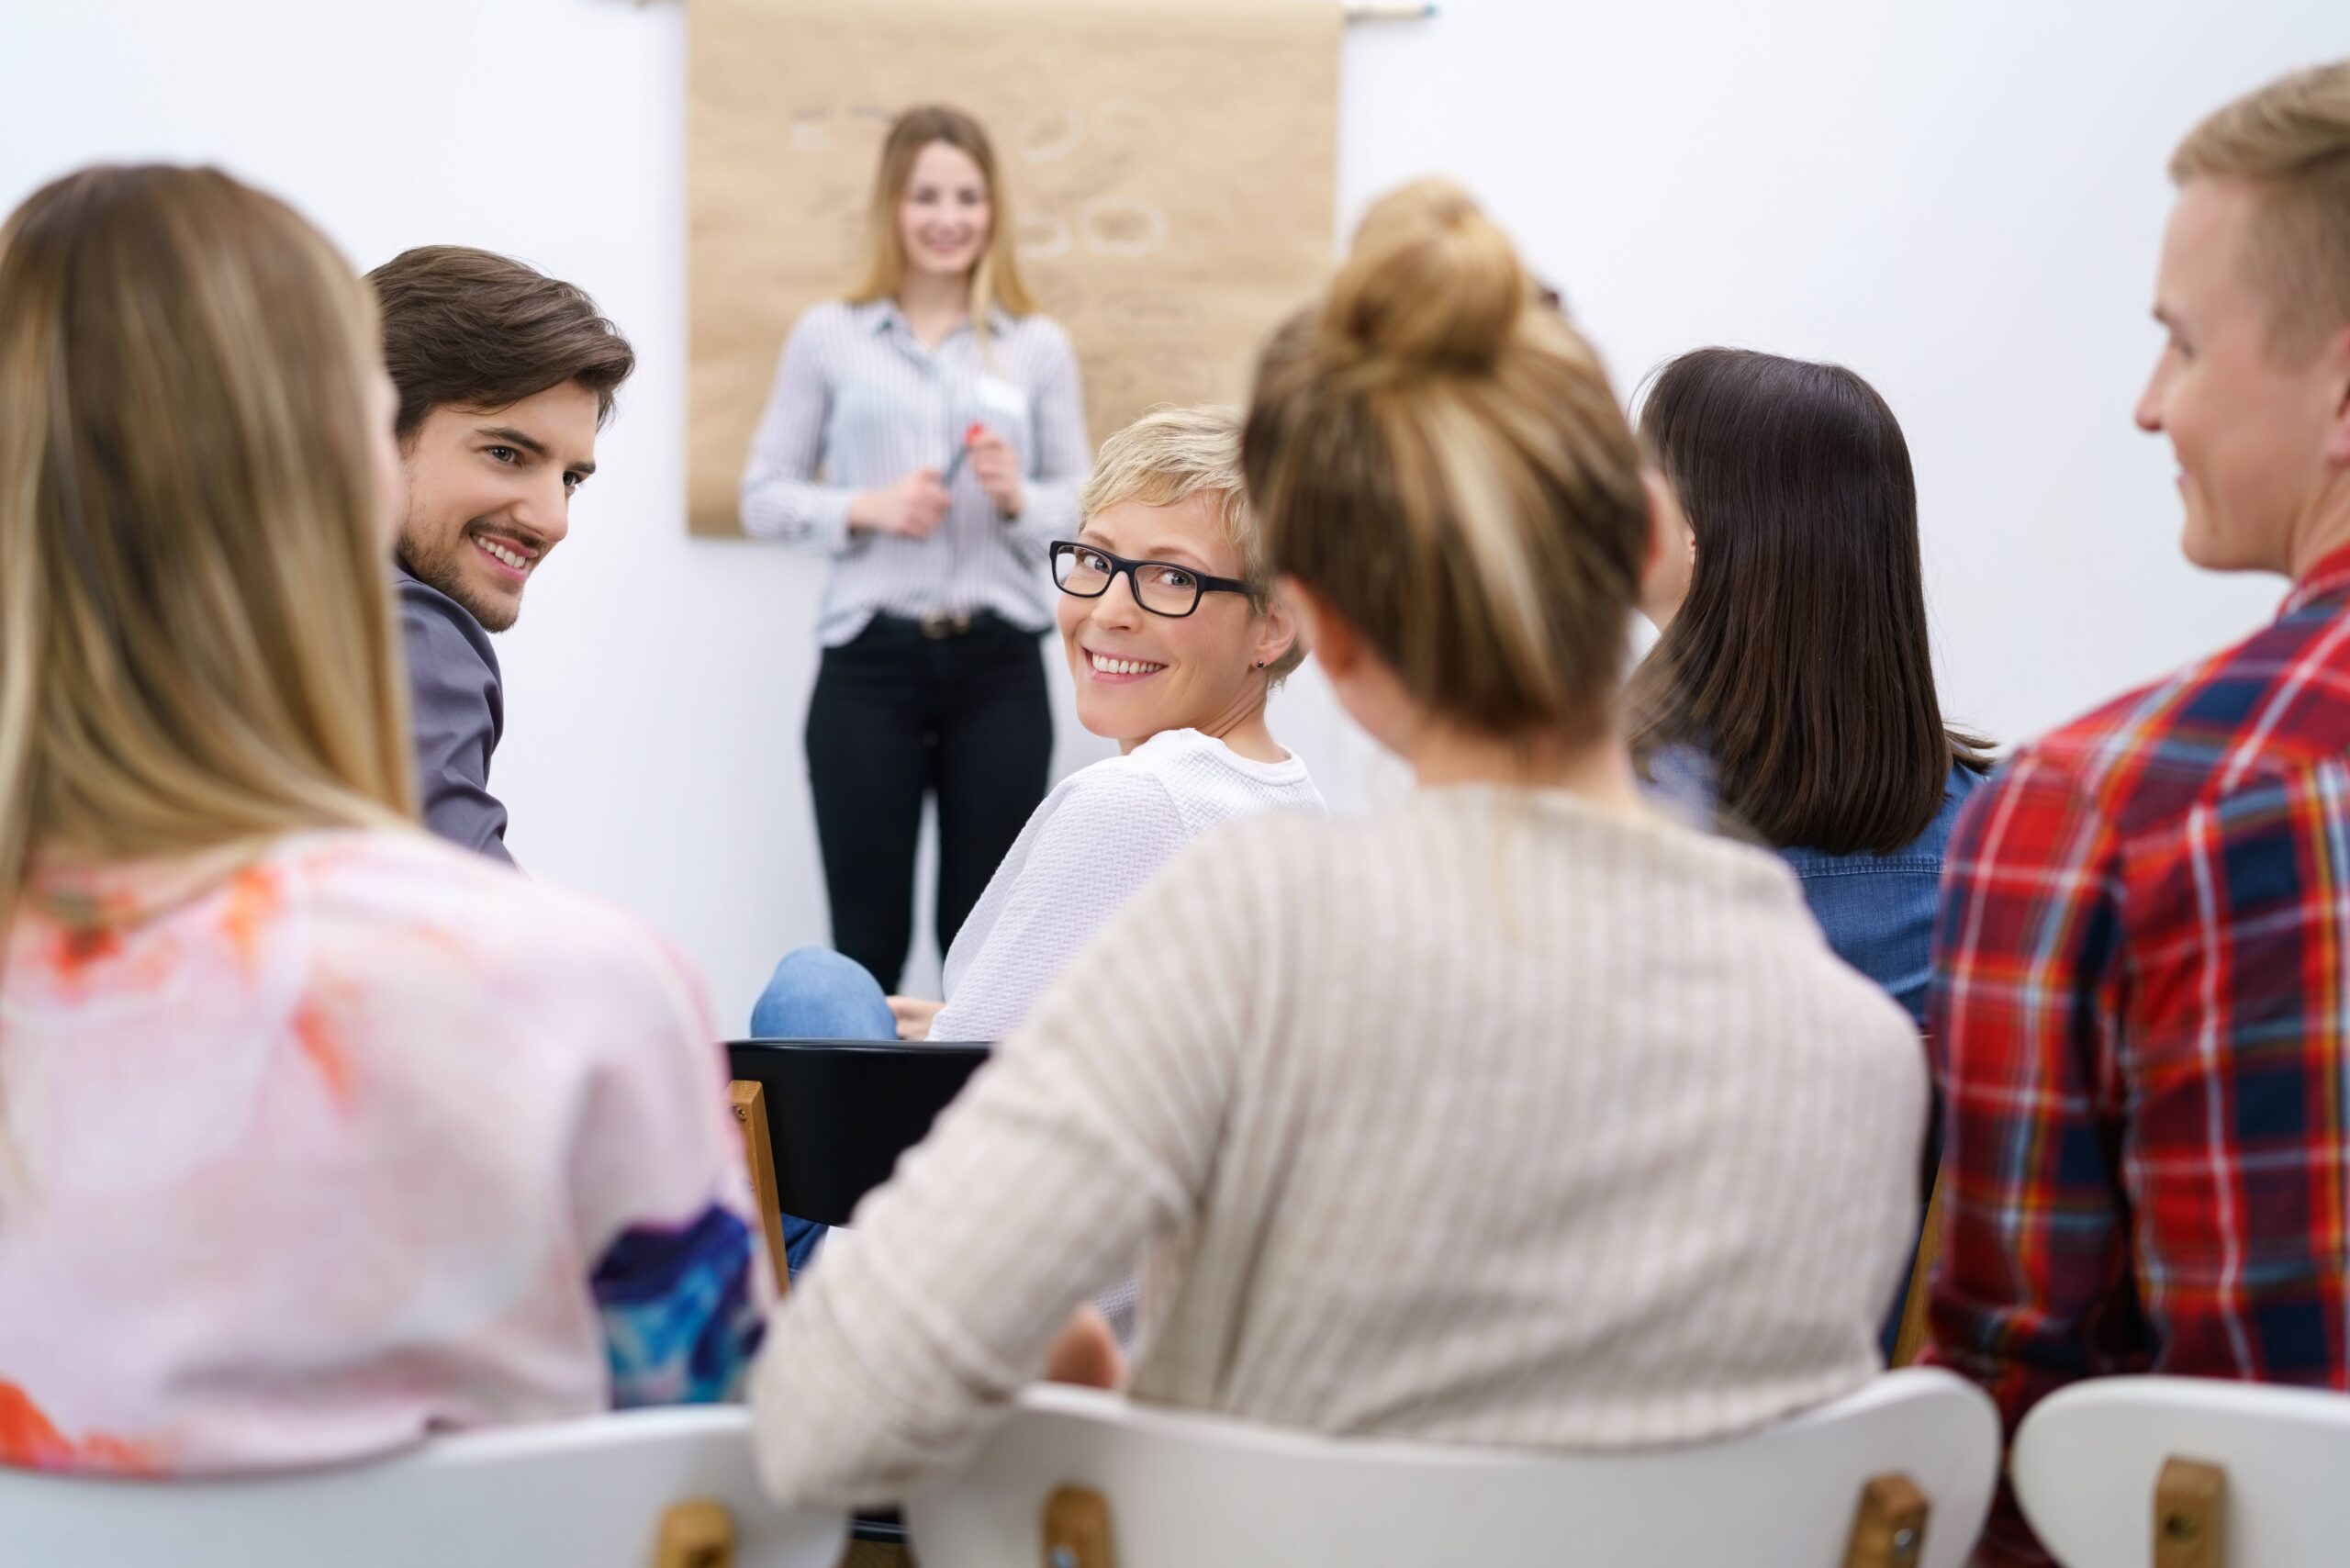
column 939, row 624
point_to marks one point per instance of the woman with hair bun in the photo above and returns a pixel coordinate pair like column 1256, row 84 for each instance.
column 1516, row 1114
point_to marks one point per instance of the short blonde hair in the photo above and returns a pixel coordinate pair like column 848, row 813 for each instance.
column 1167, row 457
column 2290, row 142
column 1448, row 466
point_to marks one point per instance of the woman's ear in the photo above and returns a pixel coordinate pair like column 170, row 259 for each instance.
column 1336, row 644
column 1278, row 630
column 1660, row 509
column 1671, row 559
column 1366, row 688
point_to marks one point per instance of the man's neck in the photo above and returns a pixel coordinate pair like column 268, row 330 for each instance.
column 2327, row 531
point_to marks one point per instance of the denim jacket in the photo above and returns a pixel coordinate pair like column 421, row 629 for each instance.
column 1876, row 909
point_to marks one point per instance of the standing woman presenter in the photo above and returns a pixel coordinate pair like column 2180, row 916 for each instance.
column 928, row 434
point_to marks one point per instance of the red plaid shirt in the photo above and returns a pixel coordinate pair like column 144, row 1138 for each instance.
column 2141, row 1021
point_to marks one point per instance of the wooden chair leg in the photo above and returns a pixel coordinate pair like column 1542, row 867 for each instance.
column 1911, row 1336
column 751, row 1114
column 2190, row 1514
column 1077, row 1529
column 699, row 1534
column 1890, row 1526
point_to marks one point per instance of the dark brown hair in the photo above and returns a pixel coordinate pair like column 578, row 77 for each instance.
column 1450, row 469
column 1800, row 662
column 467, row 328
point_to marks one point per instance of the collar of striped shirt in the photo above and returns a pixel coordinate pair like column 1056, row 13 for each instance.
column 878, row 315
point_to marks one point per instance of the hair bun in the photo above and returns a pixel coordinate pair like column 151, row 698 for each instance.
column 1430, row 283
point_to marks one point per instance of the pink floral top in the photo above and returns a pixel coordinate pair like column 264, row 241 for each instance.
column 305, row 1157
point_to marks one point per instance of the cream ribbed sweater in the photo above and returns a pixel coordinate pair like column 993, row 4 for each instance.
column 1495, row 1118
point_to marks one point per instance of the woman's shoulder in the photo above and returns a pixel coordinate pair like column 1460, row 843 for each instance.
column 1174, row 749
column 1207, row 773
column 1130, row 784
column 826, row 322
column 417, row 910
column 1961, row 788
column 829, row 313
column 1039, row 332
column 1440, row 834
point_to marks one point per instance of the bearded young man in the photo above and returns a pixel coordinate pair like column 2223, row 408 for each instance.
column 504, row 377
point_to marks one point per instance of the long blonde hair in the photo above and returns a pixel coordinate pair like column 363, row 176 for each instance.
column 196, row 626
column 1445, row 463
column 996, row 279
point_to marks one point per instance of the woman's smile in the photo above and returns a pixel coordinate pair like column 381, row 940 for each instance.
column 1113, row 670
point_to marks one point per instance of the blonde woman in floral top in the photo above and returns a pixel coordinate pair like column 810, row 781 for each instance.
column 316, row 1136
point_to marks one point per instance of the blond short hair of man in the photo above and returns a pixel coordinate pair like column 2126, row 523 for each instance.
column 1173, row 454
column 2290, row 142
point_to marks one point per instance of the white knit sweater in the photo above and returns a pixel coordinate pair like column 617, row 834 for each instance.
column 1102, row 833
column 1495, row 1118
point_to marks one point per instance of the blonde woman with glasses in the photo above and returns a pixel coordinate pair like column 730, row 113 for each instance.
column 1514, row 1114
column 1175, row 638
column 320, row 1134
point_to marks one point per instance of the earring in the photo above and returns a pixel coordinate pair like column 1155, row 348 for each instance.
column 1260, row 663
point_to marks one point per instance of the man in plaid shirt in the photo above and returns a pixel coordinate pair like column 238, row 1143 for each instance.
column 2142, row 998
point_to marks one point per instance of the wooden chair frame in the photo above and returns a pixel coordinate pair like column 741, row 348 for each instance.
column 749, row 1101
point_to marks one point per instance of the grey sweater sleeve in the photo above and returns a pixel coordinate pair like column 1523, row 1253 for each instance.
column 458, row 709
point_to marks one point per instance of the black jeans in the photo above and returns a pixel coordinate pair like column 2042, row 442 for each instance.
column 898, row 714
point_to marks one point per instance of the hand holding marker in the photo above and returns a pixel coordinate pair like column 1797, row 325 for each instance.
column 994, row 464
column 954, row 464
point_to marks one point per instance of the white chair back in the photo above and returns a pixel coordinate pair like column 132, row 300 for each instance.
column 1183, row 1489
column 2088, row 1461
column 587, row 1493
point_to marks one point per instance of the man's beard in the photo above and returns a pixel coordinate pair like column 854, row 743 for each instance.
column 445, row 566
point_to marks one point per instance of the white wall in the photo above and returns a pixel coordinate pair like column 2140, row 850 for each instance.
column 1961, row 201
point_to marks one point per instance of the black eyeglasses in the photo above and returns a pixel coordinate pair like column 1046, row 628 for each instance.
column 1161, row 586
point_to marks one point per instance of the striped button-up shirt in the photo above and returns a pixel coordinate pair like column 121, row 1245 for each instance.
column 860, row 402
column 2141, row 1022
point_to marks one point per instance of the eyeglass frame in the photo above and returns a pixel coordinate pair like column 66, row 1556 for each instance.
column 1121, row 566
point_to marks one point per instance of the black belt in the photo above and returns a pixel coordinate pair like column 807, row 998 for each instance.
column 942, row 625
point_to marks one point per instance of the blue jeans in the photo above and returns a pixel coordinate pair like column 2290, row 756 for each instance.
column 817, row 994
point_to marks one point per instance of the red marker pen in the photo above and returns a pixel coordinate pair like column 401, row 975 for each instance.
column 954, row 464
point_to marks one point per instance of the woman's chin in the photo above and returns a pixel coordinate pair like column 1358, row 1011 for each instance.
column 1117, row 721
column 1101, row 719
